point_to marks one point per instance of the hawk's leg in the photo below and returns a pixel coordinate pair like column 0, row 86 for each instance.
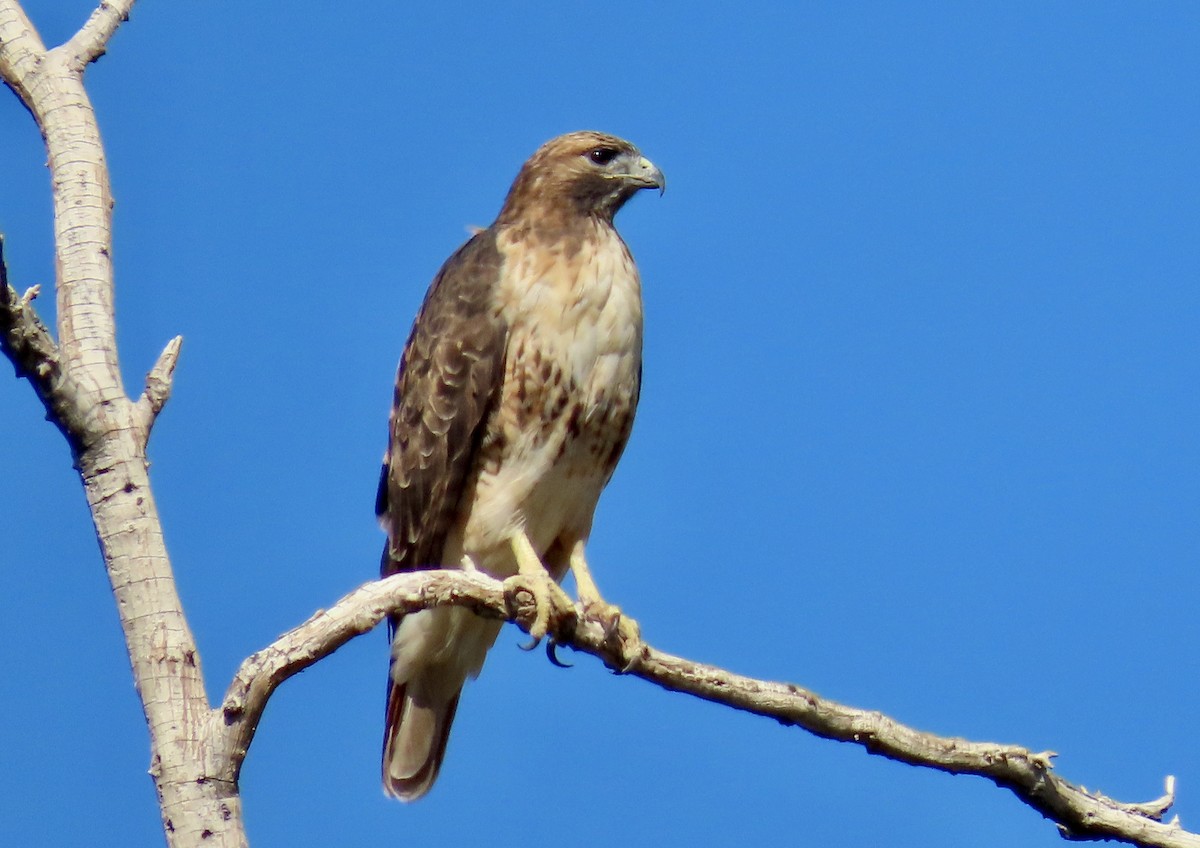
column 534, row 577
column 616, row 624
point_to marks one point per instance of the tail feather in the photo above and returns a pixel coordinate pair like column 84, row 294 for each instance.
column 434, row 652
column 415, row 735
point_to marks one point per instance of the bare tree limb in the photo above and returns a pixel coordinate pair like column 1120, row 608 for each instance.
column 1079, row 814
column 50, row 84
column 27, row 343
column 89, row 43
column 327, row 630
column 21, row 49
column 80, row 383
column 158, row 385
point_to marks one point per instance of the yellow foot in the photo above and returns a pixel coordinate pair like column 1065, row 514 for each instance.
column 532, row 577
column 548, row 599
column 620, row 631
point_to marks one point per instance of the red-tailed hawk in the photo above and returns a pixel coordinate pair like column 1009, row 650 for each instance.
column 514, row 399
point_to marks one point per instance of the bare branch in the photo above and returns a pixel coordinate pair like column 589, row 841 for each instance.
column 158, row 385
column 1080, row 815
column 79, row 380
column 1157, row 808
column 27, row 342
column 50, row 84
column 327, row 630
column 90, row 42
column 21, row 50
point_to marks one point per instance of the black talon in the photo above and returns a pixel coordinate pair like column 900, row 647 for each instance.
column 551, row 648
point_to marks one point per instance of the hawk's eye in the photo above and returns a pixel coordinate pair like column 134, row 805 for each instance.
column 602, row 155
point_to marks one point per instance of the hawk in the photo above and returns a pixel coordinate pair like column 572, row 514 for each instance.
column 514, row 400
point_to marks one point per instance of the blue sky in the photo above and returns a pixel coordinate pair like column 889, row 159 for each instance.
column 919, row 427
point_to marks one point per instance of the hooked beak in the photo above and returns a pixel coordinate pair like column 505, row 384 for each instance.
column 645, row 174
column 636, row 170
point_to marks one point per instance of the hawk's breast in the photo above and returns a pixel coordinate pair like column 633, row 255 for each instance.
column 571, row 381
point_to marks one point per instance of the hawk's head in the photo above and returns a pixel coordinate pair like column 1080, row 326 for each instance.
column 581, row 173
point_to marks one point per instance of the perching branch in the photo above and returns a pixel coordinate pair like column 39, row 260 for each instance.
column 327, row 630
column 1079, row 814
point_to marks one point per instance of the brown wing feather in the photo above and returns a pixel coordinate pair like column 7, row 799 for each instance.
column 447, row 385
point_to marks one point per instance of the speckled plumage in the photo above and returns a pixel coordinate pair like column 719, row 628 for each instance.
column 515, row 398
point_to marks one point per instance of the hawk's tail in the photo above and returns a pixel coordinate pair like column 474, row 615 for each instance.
column 414, row 740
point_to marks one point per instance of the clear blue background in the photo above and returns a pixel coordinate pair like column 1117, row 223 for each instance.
column 920, row 427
